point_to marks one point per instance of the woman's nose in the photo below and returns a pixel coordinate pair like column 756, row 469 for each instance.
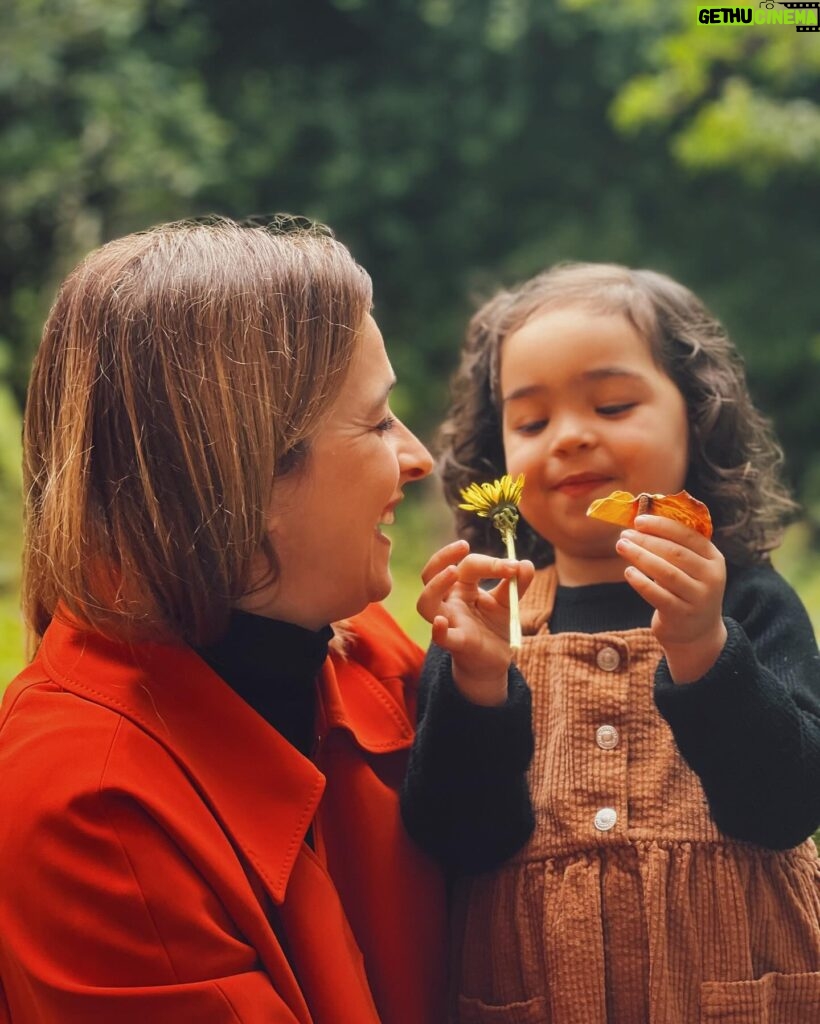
column 414, row 459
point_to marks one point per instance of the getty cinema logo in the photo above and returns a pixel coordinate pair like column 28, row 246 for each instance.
column 804, row 16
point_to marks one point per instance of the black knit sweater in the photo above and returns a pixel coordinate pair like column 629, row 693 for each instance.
column 750, row 729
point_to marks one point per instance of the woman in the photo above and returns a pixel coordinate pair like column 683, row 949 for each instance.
column 199, row 814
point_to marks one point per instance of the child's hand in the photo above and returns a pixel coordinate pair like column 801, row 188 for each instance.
column 683, row 576
column 471, row 623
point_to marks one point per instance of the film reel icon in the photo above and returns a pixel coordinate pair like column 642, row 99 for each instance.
column 792, row 5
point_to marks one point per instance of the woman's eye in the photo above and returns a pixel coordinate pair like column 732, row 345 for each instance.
column 615, row 410
column 386, row 424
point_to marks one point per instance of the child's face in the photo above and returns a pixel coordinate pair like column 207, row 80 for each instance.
column 587, row 411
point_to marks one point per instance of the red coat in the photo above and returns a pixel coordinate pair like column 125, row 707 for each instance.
column 152, row 850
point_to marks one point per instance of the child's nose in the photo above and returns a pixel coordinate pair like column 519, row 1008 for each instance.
column 571, row 433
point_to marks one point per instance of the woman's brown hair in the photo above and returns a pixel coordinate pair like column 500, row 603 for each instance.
column 180, row 370
column 734, row 459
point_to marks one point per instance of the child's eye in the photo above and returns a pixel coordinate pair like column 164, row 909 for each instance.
column 615, row 410
column 532, row 427
column 386, row 424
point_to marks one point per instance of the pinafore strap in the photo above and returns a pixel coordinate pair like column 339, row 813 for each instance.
column 538, row 602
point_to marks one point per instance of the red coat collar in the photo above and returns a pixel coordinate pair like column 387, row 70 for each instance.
column 237, row 761
column 367, row 692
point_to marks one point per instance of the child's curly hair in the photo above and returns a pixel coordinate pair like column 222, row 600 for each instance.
column 735, row 459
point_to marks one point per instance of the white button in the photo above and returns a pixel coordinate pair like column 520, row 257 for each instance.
column 608, row 659
column 605, row 819
column 606, row 736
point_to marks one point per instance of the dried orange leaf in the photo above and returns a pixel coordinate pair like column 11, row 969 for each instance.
column 621, row 507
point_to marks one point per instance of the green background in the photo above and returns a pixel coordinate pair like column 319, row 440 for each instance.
column 454, row 145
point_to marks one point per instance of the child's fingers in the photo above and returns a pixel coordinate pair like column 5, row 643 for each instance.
column 501, row 591
column 441, row 628
column 452, row 637
column 475, row 568
column 674, row 531
column 446, row 634
column 661, row 560
column 526, row 574
column 652, row 592
column 677, row 615
column 674, row 607
column 461, row 642
column 435, row 591
column 674, row 566
column 462, row 573
column 691, row 634
column 668, row 581
column 450, row 554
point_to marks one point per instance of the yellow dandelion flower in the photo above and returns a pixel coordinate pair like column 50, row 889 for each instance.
column 499, row 501
column 488, row 499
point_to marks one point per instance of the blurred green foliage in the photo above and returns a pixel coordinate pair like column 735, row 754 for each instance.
column 453, row 145
column 11, row 504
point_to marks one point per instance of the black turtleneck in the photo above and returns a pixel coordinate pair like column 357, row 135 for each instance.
column 272, row 665
column 599, row 608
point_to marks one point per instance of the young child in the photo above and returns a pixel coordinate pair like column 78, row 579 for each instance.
column 675, row 680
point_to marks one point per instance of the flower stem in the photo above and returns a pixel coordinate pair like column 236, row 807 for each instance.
column 515, row 617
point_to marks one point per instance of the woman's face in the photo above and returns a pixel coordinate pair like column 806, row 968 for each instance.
column 325, row 517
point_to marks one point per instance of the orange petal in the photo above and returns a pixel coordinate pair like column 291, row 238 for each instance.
column 621, row 507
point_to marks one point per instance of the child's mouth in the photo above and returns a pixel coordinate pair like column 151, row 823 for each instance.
column 581, row 484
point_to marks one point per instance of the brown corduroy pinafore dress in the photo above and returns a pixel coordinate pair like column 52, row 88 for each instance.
column 628, row 905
